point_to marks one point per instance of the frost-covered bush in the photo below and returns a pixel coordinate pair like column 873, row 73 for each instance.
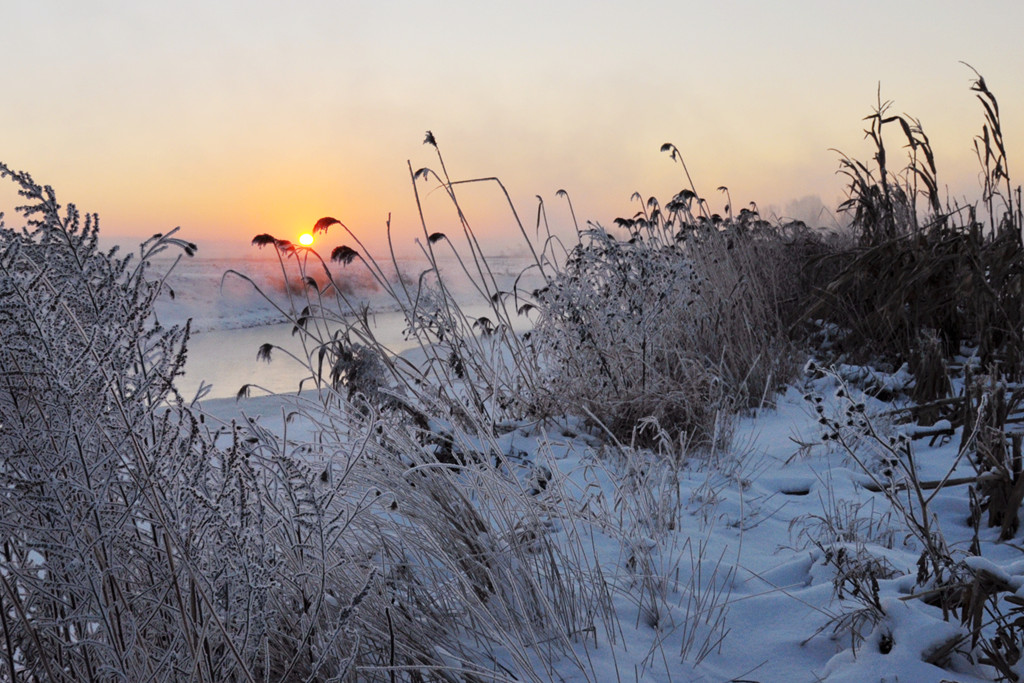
column 132, row 547
column 678, row 326
column 617, row 327
column 83, row 375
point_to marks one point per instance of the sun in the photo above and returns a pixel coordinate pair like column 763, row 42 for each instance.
column 305, row 239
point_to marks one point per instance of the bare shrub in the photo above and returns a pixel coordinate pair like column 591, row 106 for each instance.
column 615, row 331
column 681, row 322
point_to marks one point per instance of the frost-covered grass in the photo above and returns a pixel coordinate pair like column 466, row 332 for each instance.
column 640, row 487
column 773, row 560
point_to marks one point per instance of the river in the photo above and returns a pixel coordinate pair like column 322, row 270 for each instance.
column 226, row 359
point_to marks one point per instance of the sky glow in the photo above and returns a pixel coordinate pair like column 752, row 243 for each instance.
column 232, row 119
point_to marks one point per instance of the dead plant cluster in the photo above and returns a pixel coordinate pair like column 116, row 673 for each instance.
column 927, row 273
column 139, row 542
column 958, row 581
column 682, row 319
column 937, row 287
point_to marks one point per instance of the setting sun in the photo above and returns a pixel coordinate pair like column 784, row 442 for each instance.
column 305, row 239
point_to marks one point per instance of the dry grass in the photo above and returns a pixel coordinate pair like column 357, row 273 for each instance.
column 918, row 274
column 398, row 541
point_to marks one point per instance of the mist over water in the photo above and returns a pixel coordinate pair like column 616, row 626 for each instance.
column 231, row 320
column 226, row 359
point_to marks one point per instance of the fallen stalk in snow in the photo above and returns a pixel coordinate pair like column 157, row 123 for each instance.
column 923, row 485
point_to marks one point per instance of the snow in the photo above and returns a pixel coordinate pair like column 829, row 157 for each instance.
column 720, row 567
column 732, row 573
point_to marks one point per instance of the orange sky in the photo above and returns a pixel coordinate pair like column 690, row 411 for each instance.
column 237, row 118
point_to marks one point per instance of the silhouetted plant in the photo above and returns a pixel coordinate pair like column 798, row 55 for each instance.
column 939, row 274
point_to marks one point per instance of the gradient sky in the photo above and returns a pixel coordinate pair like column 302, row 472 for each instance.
column 237, row 118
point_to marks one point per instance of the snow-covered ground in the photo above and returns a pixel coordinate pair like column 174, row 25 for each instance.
column 755, row 564
column 724, row 567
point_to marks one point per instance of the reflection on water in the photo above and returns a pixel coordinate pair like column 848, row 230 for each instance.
column 226, row 359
